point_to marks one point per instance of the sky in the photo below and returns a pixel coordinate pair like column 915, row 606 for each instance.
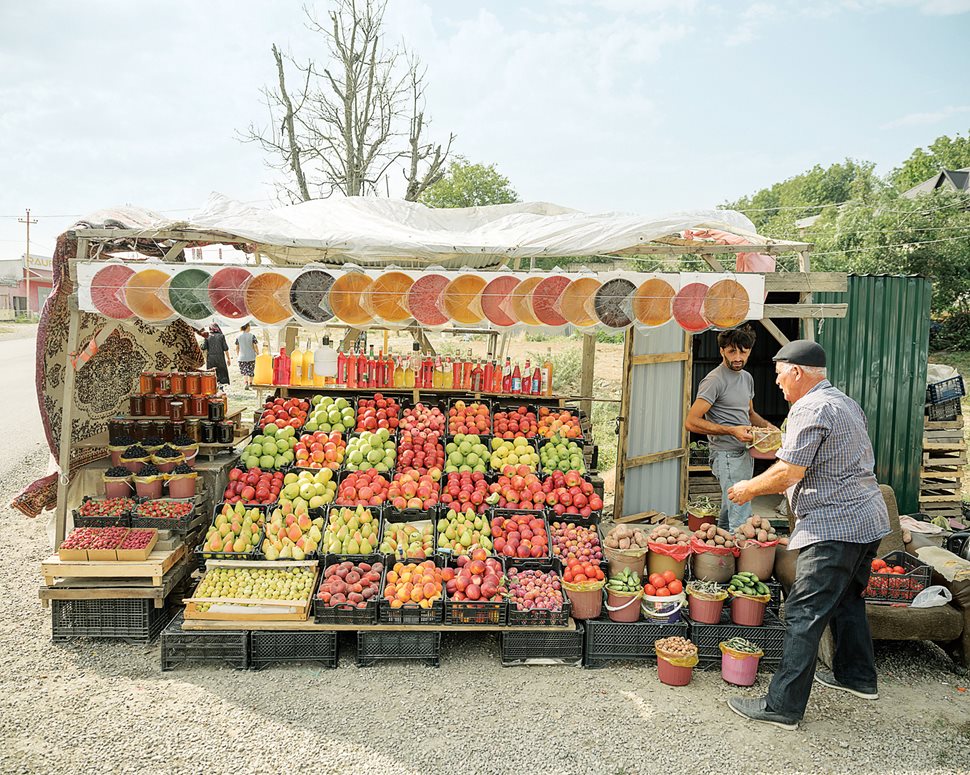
column 643, row 106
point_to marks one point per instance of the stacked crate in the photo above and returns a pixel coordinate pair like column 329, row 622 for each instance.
column 944, row 451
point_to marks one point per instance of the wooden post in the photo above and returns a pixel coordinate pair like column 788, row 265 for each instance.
column 290, row 338
column 621, row 456
column 808, row 324
column 684, row 433
column 588, row 365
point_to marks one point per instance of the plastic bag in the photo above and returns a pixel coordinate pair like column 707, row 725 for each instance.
column 754, row 262
column 726, row 649
column 931, row 597
column 678, row 552
column 699, row 547
column 678, row 661
column 756, row 598
column 583, row 586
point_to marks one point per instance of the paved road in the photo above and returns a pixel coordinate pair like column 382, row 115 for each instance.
column 23, row 432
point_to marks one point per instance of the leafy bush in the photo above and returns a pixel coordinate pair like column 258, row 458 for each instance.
column 951, row 332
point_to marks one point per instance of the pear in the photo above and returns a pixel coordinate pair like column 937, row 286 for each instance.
column 241, row 545
column 298, row 553
column 466, row 538
column 270, row 552
column 314, row 534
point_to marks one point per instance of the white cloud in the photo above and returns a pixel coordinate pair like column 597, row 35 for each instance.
column 751, row 21
column 928, row 7
column 927, row 118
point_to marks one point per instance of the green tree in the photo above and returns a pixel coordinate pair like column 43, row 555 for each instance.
column 469, row 185
column 944, row 153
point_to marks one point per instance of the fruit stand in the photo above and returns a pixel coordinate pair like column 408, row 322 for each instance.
column 393, row 498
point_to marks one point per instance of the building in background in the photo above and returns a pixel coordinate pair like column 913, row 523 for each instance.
column 13, row 285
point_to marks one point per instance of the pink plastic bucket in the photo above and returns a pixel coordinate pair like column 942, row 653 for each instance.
column 740, row 671
column 152, row 489
column 117, row 487
column 673, row 675
column 182, row 486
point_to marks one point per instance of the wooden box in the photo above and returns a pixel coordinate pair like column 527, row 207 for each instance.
column 138, row 555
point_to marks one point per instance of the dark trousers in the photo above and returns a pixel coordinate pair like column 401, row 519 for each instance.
column 831, row 577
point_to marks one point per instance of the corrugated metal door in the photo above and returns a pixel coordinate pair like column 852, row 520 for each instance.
column 877, row 355
column 650, row 470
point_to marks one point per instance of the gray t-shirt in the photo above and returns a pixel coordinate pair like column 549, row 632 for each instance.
column 246, row 340
column 730, row 394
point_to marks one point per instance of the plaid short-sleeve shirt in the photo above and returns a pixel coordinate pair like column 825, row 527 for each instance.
column 838, row 499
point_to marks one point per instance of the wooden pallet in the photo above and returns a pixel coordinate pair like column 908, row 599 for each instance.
column 943, row 425
column 115, row 589
column 154, row 568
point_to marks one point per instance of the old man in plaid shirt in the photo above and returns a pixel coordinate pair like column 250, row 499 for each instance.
column 826, row 464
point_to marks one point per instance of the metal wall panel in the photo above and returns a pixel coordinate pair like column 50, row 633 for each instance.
column 877, row 355
column 655, row 420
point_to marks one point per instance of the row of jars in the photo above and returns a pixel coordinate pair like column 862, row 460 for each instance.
column 179, row 406
column 166, row 383
column 120, row 429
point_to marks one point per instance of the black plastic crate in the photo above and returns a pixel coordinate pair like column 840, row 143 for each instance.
column 542, row 442
column 944, row 411
column 376, row 513
column 270, row 648
column 776, row 595
column 896, row 588
column 524, row 648
column 369, row 396
column 411, row 613
column 770, row 637
column 589, row 524
column 476, row 612
column 342, row 475
column 253, row 554
column 347, row 613
column 540, row 618
column 607, row 640
column 946, row 390
column 136, row 621
column 122, row 520
column 391, row 515
column 526, row 563
column 180, row 647
column 182, row 525
column 467, row 401
column 374, row 646
column 508, row 405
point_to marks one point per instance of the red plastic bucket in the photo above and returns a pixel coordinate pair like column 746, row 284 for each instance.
column 183, row 486
column 587, row 604
column 747, row 612
column 116, row 487
column 673, row 675
column 704, row 611
column 135, row 465
column 622, row 607
column 740, row 671
column 152, row 489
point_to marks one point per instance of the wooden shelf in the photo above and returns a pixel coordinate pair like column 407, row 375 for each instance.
column 153, row 568
column 114, row 589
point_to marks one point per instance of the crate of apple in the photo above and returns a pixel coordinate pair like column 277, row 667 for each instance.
column 536, row 598
column 520, row 534
column 362, row 488
column 473, row 418
column 371, row 450
column 378, row 412
column 515, row 421
column 466, row 453
column 320, row 450
column 348, row 593
column 254, row 486
column 476, row 590
column 284, row 411
column 467, row 490
column 576, row 542
column 570, row 494
column 308, row 489
column 411, row 490
column 423, row 418
column 561, row 454
column 516, row 488
column 421, row 450
column 273, row 448
column 513, row 452
column 331, row 414
column 559, row 422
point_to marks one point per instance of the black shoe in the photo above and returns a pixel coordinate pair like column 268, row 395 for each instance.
column 756, row 709
column 828, row 679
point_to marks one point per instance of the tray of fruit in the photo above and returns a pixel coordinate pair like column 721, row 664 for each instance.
column 254, row 487
column 378, row 412
column 516, row 452
column 349, row 592
column 413, row 593
column 292, row 533
column 521, row 536
column 352, row 533
column 469, row 418
column 407, row 535
column 308, row 489
column 467, row 454
column 235, row 533
column 283, row 412
column 320, row 449
column 103, row 512
column 91, row 543
column 571, row 496
column 564, row 423
column 178, row 514
column 462, row 532
column 423, row 451
column 576, row 541
column 561, row 454
column 466, row 490
column 536, row 598
column 424, row 417
column 363, row 488
column 329, row 414
column 369, row 450
column 412, row 491
column 511, row 420
column 137, row 544
column 271, row 450
column 281, row 591
column 476, row 590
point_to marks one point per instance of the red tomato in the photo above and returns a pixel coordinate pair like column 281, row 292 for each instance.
column 649, row 589
column 675, row 587
column 656, row 580
column 669, row 576
column 663, row 592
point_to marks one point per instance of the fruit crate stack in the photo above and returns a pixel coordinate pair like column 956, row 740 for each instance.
column 608, row 641
column 185, row 647
column 769, row 636
column 944, row 451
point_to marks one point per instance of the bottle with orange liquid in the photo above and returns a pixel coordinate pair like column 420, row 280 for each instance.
column 547, row 374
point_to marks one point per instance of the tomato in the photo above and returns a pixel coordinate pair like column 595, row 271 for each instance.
column 899, row 569
column 675, row 587
column 649, row 589
column 657, row 580
column 878, row 564
column 663, row 592
column 669, row 576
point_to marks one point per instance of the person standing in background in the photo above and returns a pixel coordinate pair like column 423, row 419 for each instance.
column 217, row 354
column 247, row 348
column 724, row 410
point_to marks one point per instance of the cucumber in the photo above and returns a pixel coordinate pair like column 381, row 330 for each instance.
column 762, row 589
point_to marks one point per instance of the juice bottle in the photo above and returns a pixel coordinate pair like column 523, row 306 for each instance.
column 283, row 368
column 362, row 372
column 547, row 374
column 438, row 377
column 379, row 379
column 515, row 383
column 477, row 377
column 448, row 377
column 341, row 369
column 397, row 374
column 456, row 373
column 263, row 370
column 527, row 379
column 390, row 370
column 409, row 374
column 353, row 370
column 537, row 381
column 296, row 366
column 507, row 376
column 497, row 377
column 466, row 372
column 488, row 376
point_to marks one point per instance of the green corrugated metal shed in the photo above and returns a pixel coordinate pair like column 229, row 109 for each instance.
column 877, row 355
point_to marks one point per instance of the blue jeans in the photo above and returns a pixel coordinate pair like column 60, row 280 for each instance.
column 831, row 577
column 731, row 468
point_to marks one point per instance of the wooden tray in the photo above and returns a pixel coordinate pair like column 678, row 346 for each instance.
column 153, row 568
column 238, row 609
column 138, row 555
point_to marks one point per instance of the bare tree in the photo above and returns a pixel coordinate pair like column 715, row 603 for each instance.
column 352, row 118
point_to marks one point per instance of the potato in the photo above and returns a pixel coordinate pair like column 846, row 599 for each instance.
column 719, row 540
column 611, row 541
column 747, row 530
column 624, row 543
column 762, row 536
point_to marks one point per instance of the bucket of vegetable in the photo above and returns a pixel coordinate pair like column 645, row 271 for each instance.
column 676, row 658
column 757, row 540
column 583, row 582
column 701, row 511
column 625, row 547
column 739, row 661
column 713, row 554
column 749, row 599
column 705, row 600
column 669, row 548
column 623, row 593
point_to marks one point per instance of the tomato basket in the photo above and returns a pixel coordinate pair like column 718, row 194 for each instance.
column 896, row 588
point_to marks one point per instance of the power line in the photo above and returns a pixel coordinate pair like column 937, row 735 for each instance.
column 914, row 244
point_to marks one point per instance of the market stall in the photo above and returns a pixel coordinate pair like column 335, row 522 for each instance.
column 326, row 485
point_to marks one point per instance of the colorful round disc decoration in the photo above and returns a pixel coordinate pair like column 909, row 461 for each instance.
column 108, row 291
column 227, row 292
column 652, row 302
column 346, row 297
column 522, row 301
column 424, row 297
column 612, row 303
column 576, row 302
column 145, row 295
column 268, row 296
column 495, row 300
column 687, row 308
column 310, row 296
column 188, row 293
column 545, row 300
column 387, row 296
column 726, row 304
column 461, row 299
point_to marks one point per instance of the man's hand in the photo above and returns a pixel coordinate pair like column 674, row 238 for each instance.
column 739, row 493
column 742, row 433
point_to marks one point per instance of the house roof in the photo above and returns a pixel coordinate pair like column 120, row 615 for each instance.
column 955, row 180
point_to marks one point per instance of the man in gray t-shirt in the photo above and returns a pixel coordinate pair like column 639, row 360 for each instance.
column 724, row 410
column 246, row 350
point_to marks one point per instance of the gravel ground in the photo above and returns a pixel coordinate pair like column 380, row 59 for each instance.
column 105, row 707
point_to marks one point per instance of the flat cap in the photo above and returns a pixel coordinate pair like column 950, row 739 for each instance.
column 801, row 352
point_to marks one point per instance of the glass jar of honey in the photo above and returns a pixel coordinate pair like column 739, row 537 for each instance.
column 193, row 429
column 208, row 435
column 163, row 383
column 136, row 405
column 143, row 429
column 193, row 382
column 153, row 405
column 146, row 382
column 209, row 384
column 199, row 406
column 216, row 409
column 177, row 382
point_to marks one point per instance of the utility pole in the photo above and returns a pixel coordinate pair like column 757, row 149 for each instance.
column 28, row 221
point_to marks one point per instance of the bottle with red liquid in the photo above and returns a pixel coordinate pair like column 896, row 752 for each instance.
column 466, row 372
column 380, row 380
column 515, row 383
column 488, row 377
column 507, row 376
column 341, row 380
column 352, row 369
column 527, row 378
column 456, row 373
column 281, row 374
column 389, row 369
column 497, row 377
column 537, row 381
column 477, row 378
